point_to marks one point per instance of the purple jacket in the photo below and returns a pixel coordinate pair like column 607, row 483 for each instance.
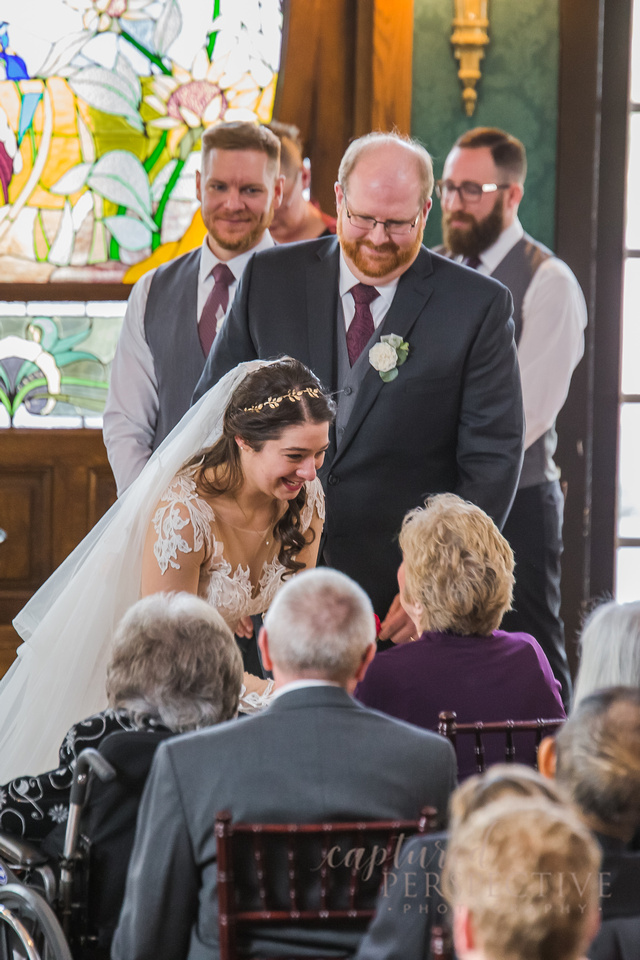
column 505, row 676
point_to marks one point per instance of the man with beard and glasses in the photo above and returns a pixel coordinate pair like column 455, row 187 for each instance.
column 480, row 191
column 436, row 408
column 175, row 311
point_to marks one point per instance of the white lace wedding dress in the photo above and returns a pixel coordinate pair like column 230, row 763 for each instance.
column 241, row 571
column 59, row 675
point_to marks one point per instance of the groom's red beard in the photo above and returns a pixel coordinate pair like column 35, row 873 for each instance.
column 394, row 256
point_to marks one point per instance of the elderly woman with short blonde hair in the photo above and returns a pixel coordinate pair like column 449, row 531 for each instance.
column 456, row 582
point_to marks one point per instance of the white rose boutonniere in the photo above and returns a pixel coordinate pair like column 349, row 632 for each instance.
column 388, row 355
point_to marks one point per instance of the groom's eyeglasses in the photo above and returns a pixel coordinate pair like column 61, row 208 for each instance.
column 393, row 228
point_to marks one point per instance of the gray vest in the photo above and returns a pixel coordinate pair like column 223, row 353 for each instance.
column 349, row 377
column 516, row 271
column 171, row 330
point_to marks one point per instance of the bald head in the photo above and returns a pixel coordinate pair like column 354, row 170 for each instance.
column 389, row 159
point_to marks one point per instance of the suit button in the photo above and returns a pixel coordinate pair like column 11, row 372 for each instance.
column 348, row 391
column 333, row 480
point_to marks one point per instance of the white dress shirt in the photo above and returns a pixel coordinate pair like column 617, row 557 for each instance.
column 301, row 685
column 379, row 306
column 554, row 316
column 131, row 411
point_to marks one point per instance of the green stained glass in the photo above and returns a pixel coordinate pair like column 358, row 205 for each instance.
column 54, row 370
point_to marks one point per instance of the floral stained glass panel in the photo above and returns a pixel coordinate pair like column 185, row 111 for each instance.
column 102, row 106
column 55, row 361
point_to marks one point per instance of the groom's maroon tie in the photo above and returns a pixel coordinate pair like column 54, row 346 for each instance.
column 473, row 262
column 361, row 328
column 215, row 306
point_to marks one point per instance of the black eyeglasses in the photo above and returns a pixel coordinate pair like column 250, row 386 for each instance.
column 469, row 191
column 393, row 228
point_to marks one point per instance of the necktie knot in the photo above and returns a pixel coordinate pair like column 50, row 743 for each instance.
column 473, row 262
column 364, row 293
column 215, row 306
column 222, row 274
column 361, row 328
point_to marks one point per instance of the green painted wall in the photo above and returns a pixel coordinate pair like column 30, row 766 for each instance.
column 517, row 92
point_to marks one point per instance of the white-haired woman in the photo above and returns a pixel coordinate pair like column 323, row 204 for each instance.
column 609, row 649
column 175, row 666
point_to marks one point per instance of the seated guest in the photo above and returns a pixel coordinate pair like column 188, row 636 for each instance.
column 522, row 879
column 596, row 761
column 456, row 582
column 609, row 649
column 411, row 900
column 175, row 666
column 296, row 218
column 313, row 755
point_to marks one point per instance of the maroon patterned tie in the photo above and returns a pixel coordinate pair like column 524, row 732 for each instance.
column 473, row 262
column 361, row 328
column 215, row 306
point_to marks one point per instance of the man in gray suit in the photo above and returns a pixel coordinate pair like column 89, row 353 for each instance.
column 313, row 755
column 436, row 408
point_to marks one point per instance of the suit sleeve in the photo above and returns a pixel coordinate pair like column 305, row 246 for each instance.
column 233, row 344
column 410, row 902
column 491, row 424
column 161, row 895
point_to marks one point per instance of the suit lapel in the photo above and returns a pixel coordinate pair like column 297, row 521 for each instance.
column 412, row 294
column 322, row 310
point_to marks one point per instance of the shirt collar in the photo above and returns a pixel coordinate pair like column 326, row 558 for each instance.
column 495, row 254
column 301, row 685
column 208, row 259
column 349, row 280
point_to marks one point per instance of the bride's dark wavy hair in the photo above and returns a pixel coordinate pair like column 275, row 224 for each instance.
column 242, row 418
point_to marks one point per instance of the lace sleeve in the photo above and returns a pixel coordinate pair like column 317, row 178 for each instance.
column 314, row 504
column 312, row 519
column 181, row 508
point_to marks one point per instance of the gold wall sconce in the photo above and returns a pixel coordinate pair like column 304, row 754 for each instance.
column 469, row 38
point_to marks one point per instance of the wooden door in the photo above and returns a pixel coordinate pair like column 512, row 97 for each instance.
column 54, row 486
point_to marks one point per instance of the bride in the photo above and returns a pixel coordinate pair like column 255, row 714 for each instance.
column 228, row 506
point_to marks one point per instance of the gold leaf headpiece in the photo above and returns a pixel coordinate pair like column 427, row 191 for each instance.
column 293, row 395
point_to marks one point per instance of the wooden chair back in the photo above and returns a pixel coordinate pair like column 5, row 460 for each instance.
column 312, row 873
column 449, row 727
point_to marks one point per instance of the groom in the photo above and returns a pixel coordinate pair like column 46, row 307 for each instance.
column 448, row 419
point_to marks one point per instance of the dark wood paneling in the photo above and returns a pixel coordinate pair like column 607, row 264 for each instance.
column 9, row 643
column 25, row 515
column 64, row 291
column 54, row 486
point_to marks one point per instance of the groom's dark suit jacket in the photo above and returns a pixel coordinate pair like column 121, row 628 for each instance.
column 314, row 755
column 451, row 421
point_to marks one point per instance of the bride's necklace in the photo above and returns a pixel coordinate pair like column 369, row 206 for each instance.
column 249, row 529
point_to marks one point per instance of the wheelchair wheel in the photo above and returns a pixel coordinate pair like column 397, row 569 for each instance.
column 29, row 929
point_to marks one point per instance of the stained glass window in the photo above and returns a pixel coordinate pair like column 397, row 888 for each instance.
column 102, row 105
column 54, row 362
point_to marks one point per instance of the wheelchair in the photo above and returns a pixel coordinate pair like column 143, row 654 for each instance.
column 62, row 901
